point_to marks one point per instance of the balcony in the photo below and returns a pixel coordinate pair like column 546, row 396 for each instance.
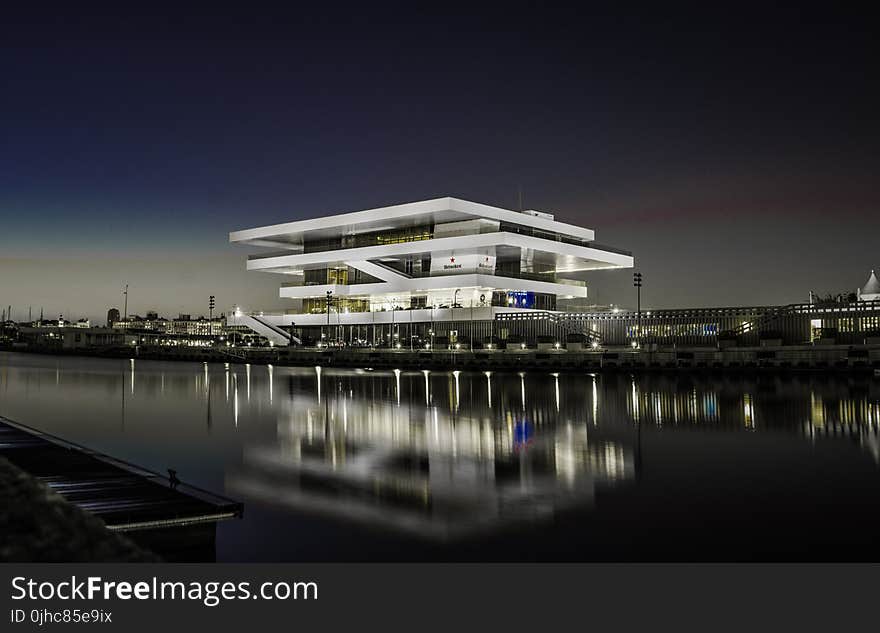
column 357, row 242
column 559, row 237
column 543, row 277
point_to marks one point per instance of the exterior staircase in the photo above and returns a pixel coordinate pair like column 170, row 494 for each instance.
column 258, row 324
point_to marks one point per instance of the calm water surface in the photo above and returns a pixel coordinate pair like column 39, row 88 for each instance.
column 388, row 465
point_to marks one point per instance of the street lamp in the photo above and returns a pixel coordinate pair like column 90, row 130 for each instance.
column 329, row 302
column 452, row 311
column 637, row 282
column 471, row 324
column 392, row 336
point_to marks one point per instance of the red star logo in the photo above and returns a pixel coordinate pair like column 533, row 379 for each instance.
column 452, row 260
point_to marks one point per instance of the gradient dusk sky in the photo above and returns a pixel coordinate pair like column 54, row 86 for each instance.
column 734, row 152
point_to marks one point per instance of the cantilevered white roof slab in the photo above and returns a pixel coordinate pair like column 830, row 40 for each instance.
column 566, row 257
column 436, row 211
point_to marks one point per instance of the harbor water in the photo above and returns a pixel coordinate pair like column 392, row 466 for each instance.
column 419, row 465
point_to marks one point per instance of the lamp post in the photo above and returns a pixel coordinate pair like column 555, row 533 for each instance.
column 431, row 331
column 637, row 282
column 211, row 305
column 471, row 325
column 329, row 301
column 452, row 314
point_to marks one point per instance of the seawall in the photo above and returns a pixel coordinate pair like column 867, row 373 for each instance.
column 855, row 358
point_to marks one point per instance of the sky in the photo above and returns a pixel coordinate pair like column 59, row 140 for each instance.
column 734, row 152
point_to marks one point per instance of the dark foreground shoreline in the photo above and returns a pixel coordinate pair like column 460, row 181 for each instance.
column 37, row 524
column 165, row 516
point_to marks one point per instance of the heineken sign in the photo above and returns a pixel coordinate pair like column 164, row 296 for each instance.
column 462, row 264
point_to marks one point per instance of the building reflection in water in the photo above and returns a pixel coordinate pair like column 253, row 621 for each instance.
column 445, row 454
column 484, row 458
column 835, row 413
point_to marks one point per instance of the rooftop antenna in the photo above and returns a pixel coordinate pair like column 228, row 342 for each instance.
column 519, row 189
column 125, row 316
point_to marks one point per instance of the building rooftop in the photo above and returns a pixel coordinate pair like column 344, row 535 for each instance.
column 438, row 210
column 872, row 287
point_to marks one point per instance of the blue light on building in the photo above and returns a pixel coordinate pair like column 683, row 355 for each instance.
column 521, row 299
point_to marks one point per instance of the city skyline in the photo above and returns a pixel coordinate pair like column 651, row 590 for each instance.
column 733, row 156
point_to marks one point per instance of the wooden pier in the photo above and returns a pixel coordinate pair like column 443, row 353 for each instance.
column 126, row 497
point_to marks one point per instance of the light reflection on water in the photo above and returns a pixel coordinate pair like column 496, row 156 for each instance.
column 441, row 469
column 356, row 463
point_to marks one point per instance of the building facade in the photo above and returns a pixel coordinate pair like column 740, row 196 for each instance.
column 73, row 337
column 200, row 326
column 139, row 323
column 359, row 277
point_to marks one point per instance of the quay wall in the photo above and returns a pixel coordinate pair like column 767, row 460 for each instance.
column 864, row 358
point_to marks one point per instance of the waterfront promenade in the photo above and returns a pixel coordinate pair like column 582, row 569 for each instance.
column 818, row 357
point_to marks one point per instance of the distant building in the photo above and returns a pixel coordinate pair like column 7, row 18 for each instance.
column 83, row 323
column 112, row 316
column 871, row 290
column 183, row 324
column 136, row 322
column 75, row 337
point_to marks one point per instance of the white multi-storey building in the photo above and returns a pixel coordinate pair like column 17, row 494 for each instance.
column 441, row 261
